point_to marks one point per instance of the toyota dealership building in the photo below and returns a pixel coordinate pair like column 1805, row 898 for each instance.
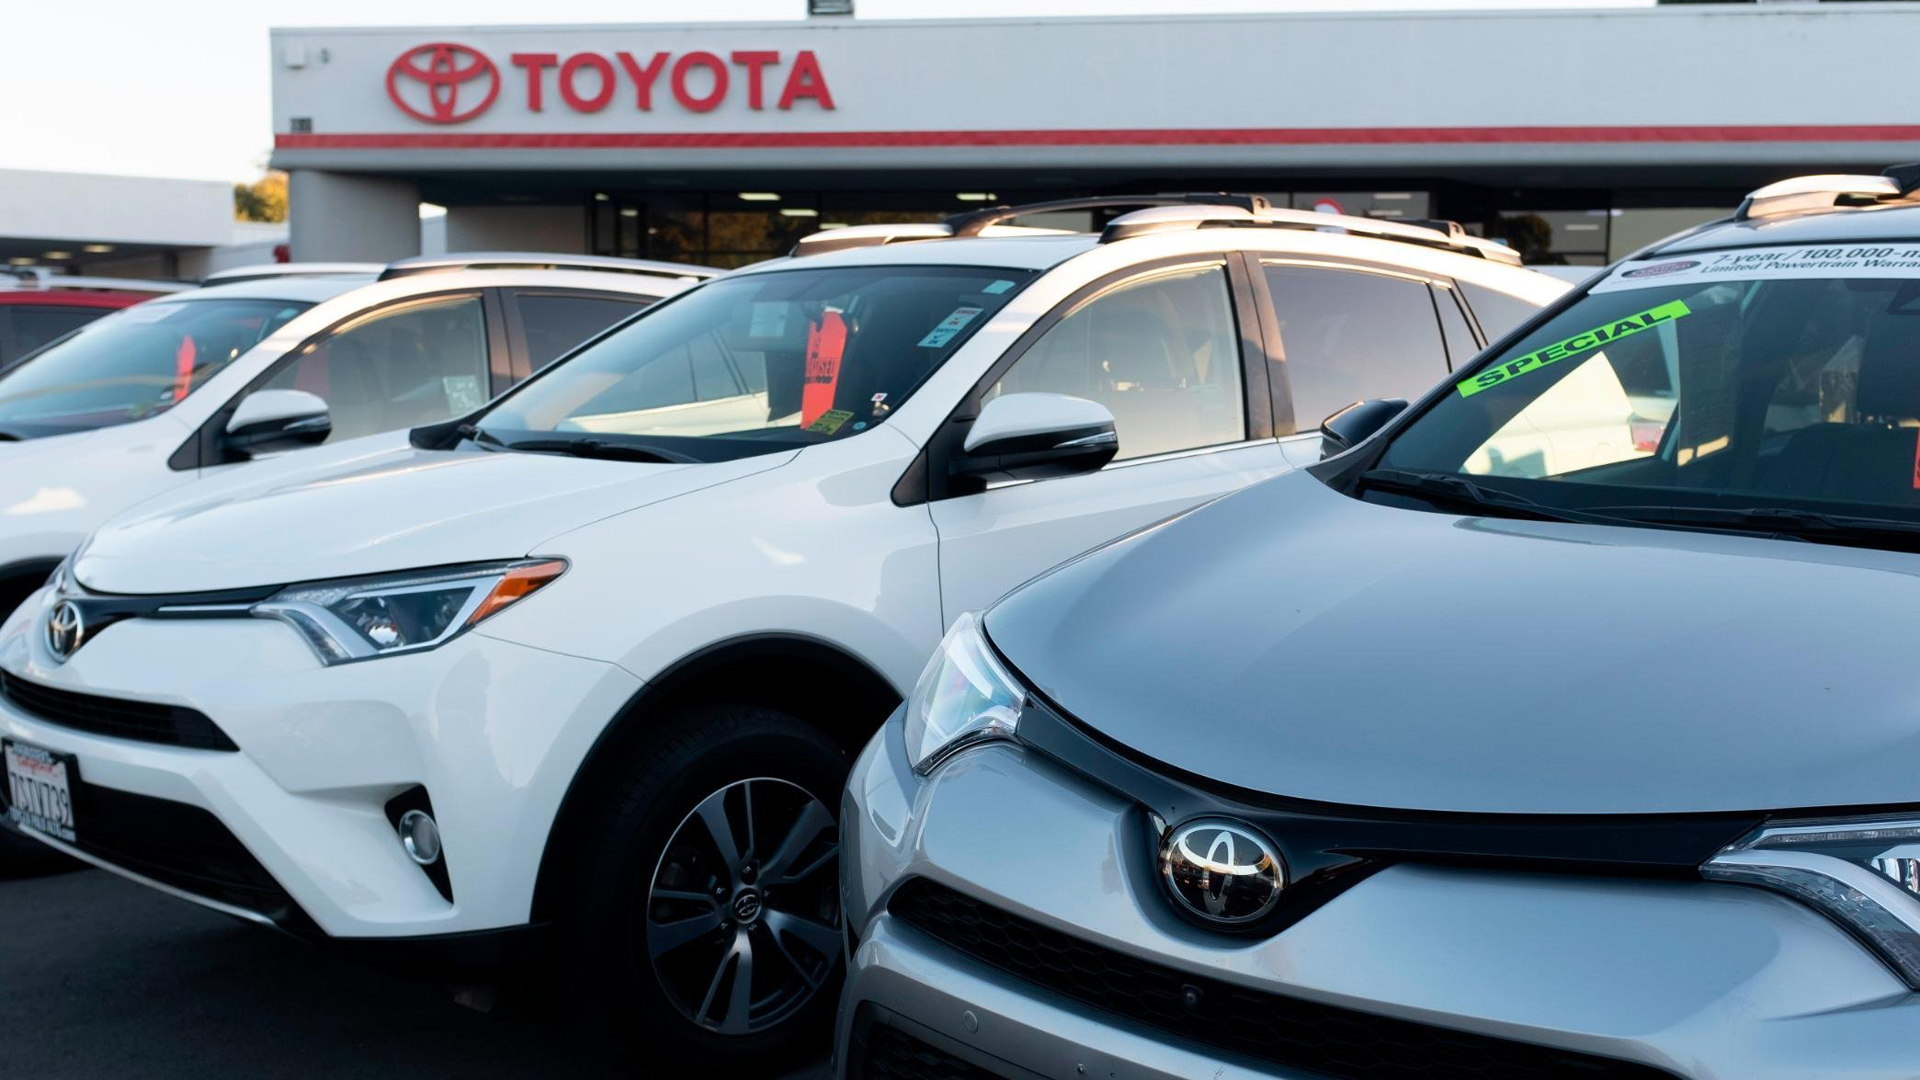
column 1575, row 136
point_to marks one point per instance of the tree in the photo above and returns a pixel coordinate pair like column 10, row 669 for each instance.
column 263, row 200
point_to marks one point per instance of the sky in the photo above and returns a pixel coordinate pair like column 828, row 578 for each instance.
column 181, row 90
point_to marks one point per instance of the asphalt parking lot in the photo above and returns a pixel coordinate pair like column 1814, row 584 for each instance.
column 103, row 978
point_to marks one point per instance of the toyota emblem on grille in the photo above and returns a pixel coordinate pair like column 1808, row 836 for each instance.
column 1222, row 871
column 66, row 628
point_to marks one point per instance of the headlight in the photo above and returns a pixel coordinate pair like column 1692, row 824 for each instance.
column 362, row 618
column 964, row 697
column 1862, row 873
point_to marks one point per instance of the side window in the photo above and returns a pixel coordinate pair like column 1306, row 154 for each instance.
column 553, row 323
column 35, row 326
column 398, row 367
column 1461, row 347
column 1497, row 312
column 1350, row 335
column 1160, row 352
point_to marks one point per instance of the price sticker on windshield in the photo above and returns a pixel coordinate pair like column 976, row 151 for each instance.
column 1573, row 346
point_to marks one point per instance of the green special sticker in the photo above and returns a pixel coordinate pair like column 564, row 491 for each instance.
column 829, row 422
column 1578, row 343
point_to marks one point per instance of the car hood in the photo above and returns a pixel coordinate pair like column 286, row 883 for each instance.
column 1295, row 641
column 372, row 506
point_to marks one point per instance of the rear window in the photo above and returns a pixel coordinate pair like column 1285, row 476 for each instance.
column 133, row 364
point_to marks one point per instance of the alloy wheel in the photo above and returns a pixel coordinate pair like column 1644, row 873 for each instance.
column 743, row 914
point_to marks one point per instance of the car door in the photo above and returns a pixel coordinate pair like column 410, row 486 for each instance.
column 1173, row 350
column 402, row 365
column 1341, row 333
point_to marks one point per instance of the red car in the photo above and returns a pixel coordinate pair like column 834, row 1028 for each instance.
column 36, row 308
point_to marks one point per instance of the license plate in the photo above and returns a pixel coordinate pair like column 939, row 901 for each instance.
column 39, row 789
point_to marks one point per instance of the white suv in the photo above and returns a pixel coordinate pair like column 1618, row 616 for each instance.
column 156, row 396
column 579, row 674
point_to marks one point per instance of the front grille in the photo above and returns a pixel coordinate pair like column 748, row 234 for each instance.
column 141, row 720
column 1344, row 1044
column 887, row 1053
column 178, row 845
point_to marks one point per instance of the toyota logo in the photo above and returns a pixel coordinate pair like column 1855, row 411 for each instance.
column 65, row 630
column 1222, row 871
column 746, row 906
column 438, row 78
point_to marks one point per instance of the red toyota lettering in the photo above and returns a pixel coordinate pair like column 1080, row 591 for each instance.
column 535, row 63
column 755, row 61
column 643, row 77
column 570, row 93
column 714, row 97
column 805, row 80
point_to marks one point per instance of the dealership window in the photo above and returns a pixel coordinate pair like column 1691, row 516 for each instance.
column 1160, row 353
column 1351, row 335
column 1410, row 205
column 398, row 367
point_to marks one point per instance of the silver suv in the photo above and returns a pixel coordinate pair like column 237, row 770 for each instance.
column 1558, row 728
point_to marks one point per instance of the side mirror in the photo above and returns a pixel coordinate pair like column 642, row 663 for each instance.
column 1035, row 436
column 270, row 420
column 1356, row 423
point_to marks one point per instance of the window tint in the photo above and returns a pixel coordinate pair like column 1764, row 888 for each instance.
column 398, row 367
column 1161, row 353
column 553, row 323
column 35, row 326
column 1497, row 312
column 1348, row 335
column 1453, row 326
column 1724, row 392
column 134, row 363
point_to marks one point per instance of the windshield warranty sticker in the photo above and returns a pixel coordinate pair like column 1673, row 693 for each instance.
column 1768, row 263
column 1578, row 343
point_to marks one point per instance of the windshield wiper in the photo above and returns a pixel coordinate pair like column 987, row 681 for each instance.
column 604, row 449
column 479, row 435
column 1459, row 489
column 1779, row 521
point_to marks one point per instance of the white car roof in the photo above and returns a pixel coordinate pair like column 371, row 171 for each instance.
column 1014, row 252
column 308, row 289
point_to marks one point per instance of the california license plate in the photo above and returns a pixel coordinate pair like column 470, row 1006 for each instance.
column 39, row 789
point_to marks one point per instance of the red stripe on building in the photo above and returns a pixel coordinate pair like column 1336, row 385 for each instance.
column 474, row 140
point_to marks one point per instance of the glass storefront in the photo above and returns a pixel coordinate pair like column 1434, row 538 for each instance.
column 733, row 228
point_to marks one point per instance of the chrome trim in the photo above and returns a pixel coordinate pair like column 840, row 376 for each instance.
column 1171, row 455
column 1099, row 438
column 1358, row 268
column 1174, row 455
column 139, row 879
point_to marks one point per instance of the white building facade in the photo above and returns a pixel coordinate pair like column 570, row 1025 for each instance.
column 1574, row 135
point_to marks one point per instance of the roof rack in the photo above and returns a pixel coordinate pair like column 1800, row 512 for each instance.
column 1160, row 213
column 1828, row 191
column 38, row 278
column 544, row 260
column 857, row 236
column 973, row 222
column 1444, row 235
column 270, row 271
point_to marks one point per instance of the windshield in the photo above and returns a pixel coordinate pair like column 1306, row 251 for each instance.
column 762, row 362
column 132, row 364
column 1756, row 379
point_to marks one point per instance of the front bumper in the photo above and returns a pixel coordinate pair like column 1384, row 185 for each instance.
column 493, row 731
column 1691, row 979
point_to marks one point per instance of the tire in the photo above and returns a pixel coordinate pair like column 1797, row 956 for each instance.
column 658, row 917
